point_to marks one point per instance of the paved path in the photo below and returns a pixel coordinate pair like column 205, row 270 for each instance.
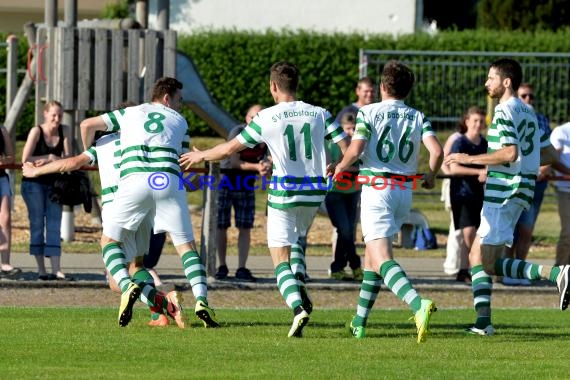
column 88, row 271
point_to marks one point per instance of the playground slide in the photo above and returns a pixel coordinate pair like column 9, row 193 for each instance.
column 197, row 97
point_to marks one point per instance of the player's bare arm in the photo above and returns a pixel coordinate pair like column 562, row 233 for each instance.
column 214, row 154
column 351, row 155
column 435, row 150
column 343, row 144
column 64, row 165
column 508, row 153
column 548, row 155
column 89, row 127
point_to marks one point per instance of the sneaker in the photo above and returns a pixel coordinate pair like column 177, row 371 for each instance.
column 206, row 314
column 299, row 321
column 511, row 281
column 357, row 274
column 562, row 284
column 307, row 303
column 174, row 307
column 487, row 331
column 222, row 272
column 243, row 274
column 340, row 276
column 358, row 332
column 128, row 299
column 161, row 321
column 422, row 318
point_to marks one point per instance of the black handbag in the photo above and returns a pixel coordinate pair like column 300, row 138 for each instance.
column 72, row 189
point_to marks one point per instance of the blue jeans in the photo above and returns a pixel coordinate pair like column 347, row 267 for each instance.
column 45, row 217
column 343, row 211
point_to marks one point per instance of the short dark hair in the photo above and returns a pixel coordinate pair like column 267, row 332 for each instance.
column 397, row 79
column 348, row 117
column 365, row 80
column 286, row 76
column 509, row 68
column 163, row 86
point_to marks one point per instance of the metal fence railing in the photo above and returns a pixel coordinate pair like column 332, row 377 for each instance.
column 448, row 82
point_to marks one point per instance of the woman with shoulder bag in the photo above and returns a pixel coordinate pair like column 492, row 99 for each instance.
column 47, row 142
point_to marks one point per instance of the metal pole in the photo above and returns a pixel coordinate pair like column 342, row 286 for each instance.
column 419, row 21
column 11, row 89
column 67, row 230
column 50, row 13
column 363, row 64
column 50, row 20
column 163, row 14
column 12, row 70
column 70, row 13
column 141, row 11
column 142, row 19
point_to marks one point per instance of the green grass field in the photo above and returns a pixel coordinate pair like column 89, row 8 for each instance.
column 85, row 343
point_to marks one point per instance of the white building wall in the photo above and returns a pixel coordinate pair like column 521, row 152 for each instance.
column 327, row 16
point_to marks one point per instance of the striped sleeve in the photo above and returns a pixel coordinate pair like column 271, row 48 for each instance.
column 111, row 120
column 427, row 129
column 363, row 130
column 92, row 154
column 334, row 131
column 251, row 134
column 507, row 132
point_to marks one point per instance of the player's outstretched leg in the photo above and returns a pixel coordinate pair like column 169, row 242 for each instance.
column 396, row 280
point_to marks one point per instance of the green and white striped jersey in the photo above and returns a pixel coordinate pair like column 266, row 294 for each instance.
column 106, row 153
column 514, row 123
column 393, row 132
column 153, row 137
column 295, row 134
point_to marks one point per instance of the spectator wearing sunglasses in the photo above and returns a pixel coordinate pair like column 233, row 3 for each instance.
column 525, row 225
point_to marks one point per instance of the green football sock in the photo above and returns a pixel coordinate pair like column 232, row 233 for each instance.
column 396, row 280
column 288, row 286
column 368, row 292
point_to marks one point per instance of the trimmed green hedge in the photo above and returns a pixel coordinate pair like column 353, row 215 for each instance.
column 235, row 65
